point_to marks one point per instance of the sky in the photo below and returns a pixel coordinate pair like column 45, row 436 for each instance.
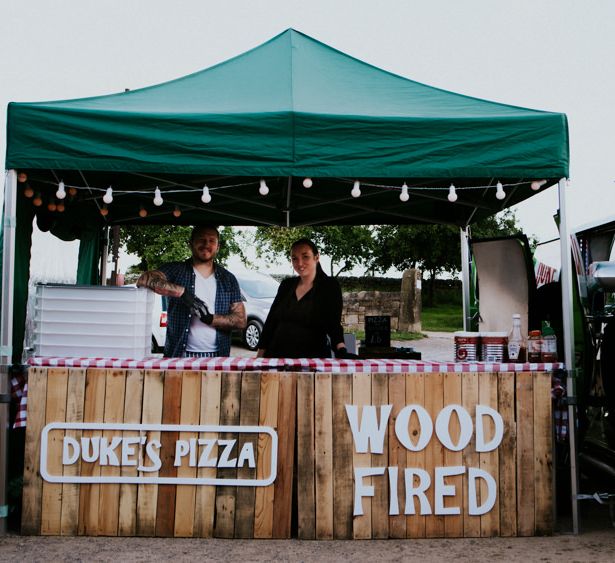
column 554, row 55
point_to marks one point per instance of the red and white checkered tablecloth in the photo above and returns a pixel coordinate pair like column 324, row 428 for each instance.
column 286, row 364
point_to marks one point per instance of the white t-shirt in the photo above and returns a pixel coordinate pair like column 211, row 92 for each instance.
column 202, row 337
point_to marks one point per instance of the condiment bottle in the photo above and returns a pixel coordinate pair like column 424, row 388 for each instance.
column 516, row 342
column 548, row 351
column 534, row 346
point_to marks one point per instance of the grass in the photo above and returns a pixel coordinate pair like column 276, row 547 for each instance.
column 445, row 317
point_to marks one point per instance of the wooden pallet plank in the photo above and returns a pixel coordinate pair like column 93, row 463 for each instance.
column 323, row 439
column 415, row 395
column 55, row 411
column 171, row 407
column 361, row 397
column 525, row 455
column 230, row 405
column 306, row 499
column 488, row 396
column 211, row 387
column 469, row 397
column 147, row 495
column 380, row 500
column 133, row 407
column 74, row 413
column 248, row 416
column 185, row 497
column 283, row 486
column 263, row 503
column 434, row 452
column 397, row 453
column 93, row 411
column 343, row 494
column 507, row 494
column 543, row 450
column 109, row 505
column 453, row 523
column 32, row 481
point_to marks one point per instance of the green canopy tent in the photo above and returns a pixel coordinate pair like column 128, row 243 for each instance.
column 248, row 132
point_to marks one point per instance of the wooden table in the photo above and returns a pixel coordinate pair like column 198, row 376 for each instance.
column 309, row 412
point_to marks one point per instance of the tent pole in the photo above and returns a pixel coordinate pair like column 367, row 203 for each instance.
column 6, row 331
column 465, row 276
column 568, row 329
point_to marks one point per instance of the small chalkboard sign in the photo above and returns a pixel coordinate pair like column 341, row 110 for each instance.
column 378, row 331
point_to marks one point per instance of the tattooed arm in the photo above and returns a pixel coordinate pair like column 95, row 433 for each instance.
column 236, row 319
column 158, row 283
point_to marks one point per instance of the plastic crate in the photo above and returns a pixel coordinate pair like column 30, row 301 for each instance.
column 93, row 321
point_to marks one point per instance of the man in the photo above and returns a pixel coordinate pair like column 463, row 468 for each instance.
column 204, row 300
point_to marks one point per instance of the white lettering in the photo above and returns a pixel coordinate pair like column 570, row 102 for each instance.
column 402, row 427
column 393, row 500
column 128, row 451
column 473, row 509
column 419, row 491
column 107, row 453
column 368, row 431
column 205, row 460
column 69, row 458
column 90, row 448
column 442, row 490
column 481, row 412
column 247, row 454
column 182, row 448
column 224, row 460
column 361, row 490
column 151, row 450
column 443, row 421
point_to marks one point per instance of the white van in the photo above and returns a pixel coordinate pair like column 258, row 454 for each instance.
column 257, row 292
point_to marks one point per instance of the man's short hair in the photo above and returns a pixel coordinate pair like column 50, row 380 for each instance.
column 198, row 228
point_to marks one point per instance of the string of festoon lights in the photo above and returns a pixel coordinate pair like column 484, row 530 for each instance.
column 63, row 191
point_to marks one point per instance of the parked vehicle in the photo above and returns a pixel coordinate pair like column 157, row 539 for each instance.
column 257, row 291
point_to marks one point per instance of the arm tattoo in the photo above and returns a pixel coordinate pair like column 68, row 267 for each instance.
column 236, row 319
column 158, row 283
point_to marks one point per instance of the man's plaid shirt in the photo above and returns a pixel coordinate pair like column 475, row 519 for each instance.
column 178, row 315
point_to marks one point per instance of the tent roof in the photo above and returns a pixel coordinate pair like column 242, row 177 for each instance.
column 290, row 108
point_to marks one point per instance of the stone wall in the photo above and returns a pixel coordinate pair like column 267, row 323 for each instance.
column 357, row 304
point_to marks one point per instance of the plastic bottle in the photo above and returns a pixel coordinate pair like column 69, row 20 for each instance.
column 548, row 350
column 534, row 346
column 516, row 342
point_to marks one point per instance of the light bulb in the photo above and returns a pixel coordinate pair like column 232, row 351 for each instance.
column 307, row 183
column 22, row 177
column 52, row 206
column 177, row 212
column 452, row 194
column 206, row 197
column 61, row 193
column 38, row 200
column 28, row 191
column 60, row 207
column 108, row 197
column 157, row 197
column 104, row 211
column 72, row 192
column 404, row 196
column 356, row 189
column 499, row 191
column 264, row 189
column 142, row 212
column 537, row 184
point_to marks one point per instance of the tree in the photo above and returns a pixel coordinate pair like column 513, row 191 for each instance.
column 157, row 244
column 347, row 246
column 433, row 248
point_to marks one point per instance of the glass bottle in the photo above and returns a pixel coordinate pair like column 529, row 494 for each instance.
column 516, row 342
column 534, row 346
column 548, row 351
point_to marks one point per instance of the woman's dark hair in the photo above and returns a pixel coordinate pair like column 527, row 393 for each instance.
column 320, row 273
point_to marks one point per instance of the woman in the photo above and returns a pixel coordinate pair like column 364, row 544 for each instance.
column 306, row 309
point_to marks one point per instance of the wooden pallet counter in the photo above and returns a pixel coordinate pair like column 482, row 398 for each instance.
column 189, row 453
